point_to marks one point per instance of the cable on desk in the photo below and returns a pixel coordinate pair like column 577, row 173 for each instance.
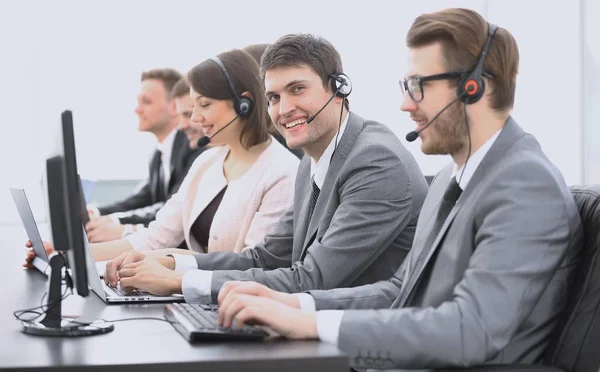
column 18, row 314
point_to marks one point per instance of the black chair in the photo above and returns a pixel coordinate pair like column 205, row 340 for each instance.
column 575, row 345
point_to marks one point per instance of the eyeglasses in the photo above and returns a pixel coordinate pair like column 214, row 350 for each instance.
column 414, row 85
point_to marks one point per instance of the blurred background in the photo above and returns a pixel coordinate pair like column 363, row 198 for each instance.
column 87, row 56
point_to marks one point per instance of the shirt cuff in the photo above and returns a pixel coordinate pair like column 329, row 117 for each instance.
column 138, row 241
column 185, row 262
column 195, row 286
column 115, row 218
column 95, row 210
column 307, row 302
column 328, row 325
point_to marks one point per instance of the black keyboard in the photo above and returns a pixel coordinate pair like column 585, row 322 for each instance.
column 199, row 323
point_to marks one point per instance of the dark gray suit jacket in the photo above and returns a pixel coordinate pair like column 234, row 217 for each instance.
column 495, row 279
column 361, row 229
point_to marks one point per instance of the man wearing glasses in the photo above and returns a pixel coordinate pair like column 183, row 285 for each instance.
column 496, row 240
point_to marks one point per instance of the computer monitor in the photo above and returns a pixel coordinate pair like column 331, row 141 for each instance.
column 64, row 204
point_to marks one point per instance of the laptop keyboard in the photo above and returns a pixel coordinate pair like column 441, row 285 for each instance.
column 200, row 323
column 134, row 292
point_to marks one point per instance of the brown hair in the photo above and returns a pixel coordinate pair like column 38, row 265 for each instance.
column 181, row 89
column 168, row 76
column 462, row 34
column 256, row 51
column 208, row 80
column 294, row 50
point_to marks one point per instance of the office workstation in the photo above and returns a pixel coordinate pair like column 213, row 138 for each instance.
column 285, row 210
column 138, row 345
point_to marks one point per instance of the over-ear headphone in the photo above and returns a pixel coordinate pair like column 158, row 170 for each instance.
column 472, row 86
column 242, row 105
column 341, row 85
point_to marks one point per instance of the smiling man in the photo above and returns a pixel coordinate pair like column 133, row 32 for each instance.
column 358, row 193
column 498, row 237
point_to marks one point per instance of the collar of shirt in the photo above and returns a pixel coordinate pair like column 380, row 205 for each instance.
column 166, row 147
column 473, row 162
column 319, row 169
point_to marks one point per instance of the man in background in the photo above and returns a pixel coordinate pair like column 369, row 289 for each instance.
column 157, row 114
column 184, row 106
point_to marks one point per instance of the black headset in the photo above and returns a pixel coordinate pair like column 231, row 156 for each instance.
column 242, row 105
column 341, row 85
column 472, row 86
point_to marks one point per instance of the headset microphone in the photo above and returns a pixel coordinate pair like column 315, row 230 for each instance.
column 312, row 117
column 342, row 86
column 206, row 140
column 411, row 136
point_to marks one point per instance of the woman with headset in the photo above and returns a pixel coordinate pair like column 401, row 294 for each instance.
column 236, row 191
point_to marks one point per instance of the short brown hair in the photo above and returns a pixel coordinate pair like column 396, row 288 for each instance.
column 462, row 34
column 208, row 80
column 181, row 89
column 168, row 76
column 294, row 50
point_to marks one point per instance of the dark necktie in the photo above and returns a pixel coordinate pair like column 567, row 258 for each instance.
column 314, row 197
column 160, row 176
column 448, row 200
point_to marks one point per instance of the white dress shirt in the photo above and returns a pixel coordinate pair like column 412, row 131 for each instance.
column 328, row 321
column 166, row 151
column 196, row 284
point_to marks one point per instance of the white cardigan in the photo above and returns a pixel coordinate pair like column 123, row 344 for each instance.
column 250, row 208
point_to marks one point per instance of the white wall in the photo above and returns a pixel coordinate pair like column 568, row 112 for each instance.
column 549, row 85
column 87, row 56
column 591, row 89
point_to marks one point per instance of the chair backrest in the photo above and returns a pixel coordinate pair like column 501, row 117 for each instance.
column 575, row 346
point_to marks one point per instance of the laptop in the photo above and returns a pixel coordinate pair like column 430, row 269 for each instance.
column 112, row 295
column 40, row 261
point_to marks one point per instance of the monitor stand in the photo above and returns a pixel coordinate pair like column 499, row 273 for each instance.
column 53, row 324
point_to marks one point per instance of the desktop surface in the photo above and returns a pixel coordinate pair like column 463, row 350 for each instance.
column 148, row 345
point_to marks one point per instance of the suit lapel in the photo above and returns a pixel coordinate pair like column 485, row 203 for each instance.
column 301, row 200
column 353, row 129
column 508, row 136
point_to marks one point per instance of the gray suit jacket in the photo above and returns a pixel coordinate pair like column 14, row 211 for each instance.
column 495, row 279
column 362, row 226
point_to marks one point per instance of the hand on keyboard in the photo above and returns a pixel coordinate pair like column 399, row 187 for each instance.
column 281, row 318
column 199, row 322
column 150, row 276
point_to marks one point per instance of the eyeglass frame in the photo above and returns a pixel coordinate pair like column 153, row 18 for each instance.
column 443, row 76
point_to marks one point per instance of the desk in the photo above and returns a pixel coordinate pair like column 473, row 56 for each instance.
column 147, row 345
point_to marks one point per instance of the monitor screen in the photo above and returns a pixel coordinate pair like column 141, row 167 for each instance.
column 64, row 202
